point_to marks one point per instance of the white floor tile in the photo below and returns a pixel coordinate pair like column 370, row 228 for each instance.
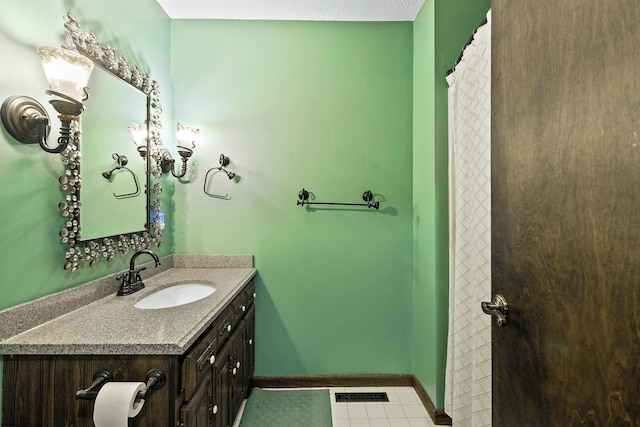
column 408, row 398
column 414, row 411
column 342, row 422
column 359, row 422
column 394, row 411
column 339, row 411
column 376, row 411
column 399, row 422
column 419, row 422
column 379, row 422
column 357, row 410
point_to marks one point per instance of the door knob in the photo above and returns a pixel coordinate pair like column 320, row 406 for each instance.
column 498, row 308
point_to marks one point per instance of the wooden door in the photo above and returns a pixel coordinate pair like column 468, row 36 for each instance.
column 566, row 212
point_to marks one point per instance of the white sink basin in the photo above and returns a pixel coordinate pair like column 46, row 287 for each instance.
column 175, row 295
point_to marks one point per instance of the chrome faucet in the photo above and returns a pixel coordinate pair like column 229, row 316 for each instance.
column 131, row 280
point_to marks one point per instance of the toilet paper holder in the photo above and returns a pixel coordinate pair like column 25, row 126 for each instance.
column 155, row 380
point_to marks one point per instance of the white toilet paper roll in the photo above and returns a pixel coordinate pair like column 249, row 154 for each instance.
column 115, row 404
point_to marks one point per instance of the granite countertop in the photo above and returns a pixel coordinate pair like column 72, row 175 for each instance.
column 111, row 324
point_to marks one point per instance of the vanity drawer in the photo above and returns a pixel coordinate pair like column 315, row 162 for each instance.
column 239, row 305
column 196, row 367
column 250, row 292
column 225, row 324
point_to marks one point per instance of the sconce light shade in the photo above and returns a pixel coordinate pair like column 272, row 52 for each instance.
column 27, row 121
column 140, row 135
column 68, row 74
column 186, row 136
column 186, row 139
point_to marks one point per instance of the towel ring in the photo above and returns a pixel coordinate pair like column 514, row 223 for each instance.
column 224, row 161
column 122, row 161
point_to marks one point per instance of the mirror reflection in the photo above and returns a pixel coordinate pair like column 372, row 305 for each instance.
column 116, row 204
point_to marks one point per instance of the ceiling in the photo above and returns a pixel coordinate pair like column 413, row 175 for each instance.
column 294, row 10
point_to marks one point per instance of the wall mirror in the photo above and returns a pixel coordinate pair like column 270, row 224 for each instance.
column 111, row 189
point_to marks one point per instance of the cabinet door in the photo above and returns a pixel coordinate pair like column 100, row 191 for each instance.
column 248, row 350
column 237, row 368
column 196, row 367
column 197, row 412
column 221, row 387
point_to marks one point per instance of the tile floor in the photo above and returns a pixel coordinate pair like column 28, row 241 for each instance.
column 403, row 409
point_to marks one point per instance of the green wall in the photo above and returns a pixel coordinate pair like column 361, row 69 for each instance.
column 320, row 105
column 441, row 29
column 32, row 255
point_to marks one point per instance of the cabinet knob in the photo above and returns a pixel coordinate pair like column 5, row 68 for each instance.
column 215, row 409
column 237, row 364
column 244, row 308
column 234, row 371
column 250, row 342
column 212, row 359
column 254, row 294
column 229, row 328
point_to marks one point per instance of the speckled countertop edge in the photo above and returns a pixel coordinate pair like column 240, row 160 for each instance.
column 94, row 323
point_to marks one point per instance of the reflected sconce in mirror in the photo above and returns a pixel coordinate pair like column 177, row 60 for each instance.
column 140, row 135
column 68, row 74
column 186, row 143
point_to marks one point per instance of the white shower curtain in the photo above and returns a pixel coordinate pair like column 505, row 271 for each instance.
column 468, row 374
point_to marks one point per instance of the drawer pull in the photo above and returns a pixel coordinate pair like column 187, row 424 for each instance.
column 244, row 308
column 250, row 342
column 238, row 365
column 212, row 359
column 234, row 371
column 229, row 327
column 215, row 409
column 254, row 295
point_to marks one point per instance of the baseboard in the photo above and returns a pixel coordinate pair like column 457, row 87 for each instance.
column 439, row 417
column 372, row 380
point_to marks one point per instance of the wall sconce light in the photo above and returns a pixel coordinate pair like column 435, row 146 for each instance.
column 186, row 143
column 68, row 74
column 140, row 135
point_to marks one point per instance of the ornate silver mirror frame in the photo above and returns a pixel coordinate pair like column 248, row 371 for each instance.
column 91, row 251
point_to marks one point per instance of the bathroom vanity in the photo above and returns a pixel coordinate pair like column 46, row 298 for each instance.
column 205, row 349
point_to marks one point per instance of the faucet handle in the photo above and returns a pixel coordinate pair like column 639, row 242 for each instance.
column 137, row 271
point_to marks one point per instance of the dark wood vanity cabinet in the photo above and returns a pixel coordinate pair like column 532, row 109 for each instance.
column 205, row 387
column 220, row 375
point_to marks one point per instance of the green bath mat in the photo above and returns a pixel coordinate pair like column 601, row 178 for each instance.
column 287, row 408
